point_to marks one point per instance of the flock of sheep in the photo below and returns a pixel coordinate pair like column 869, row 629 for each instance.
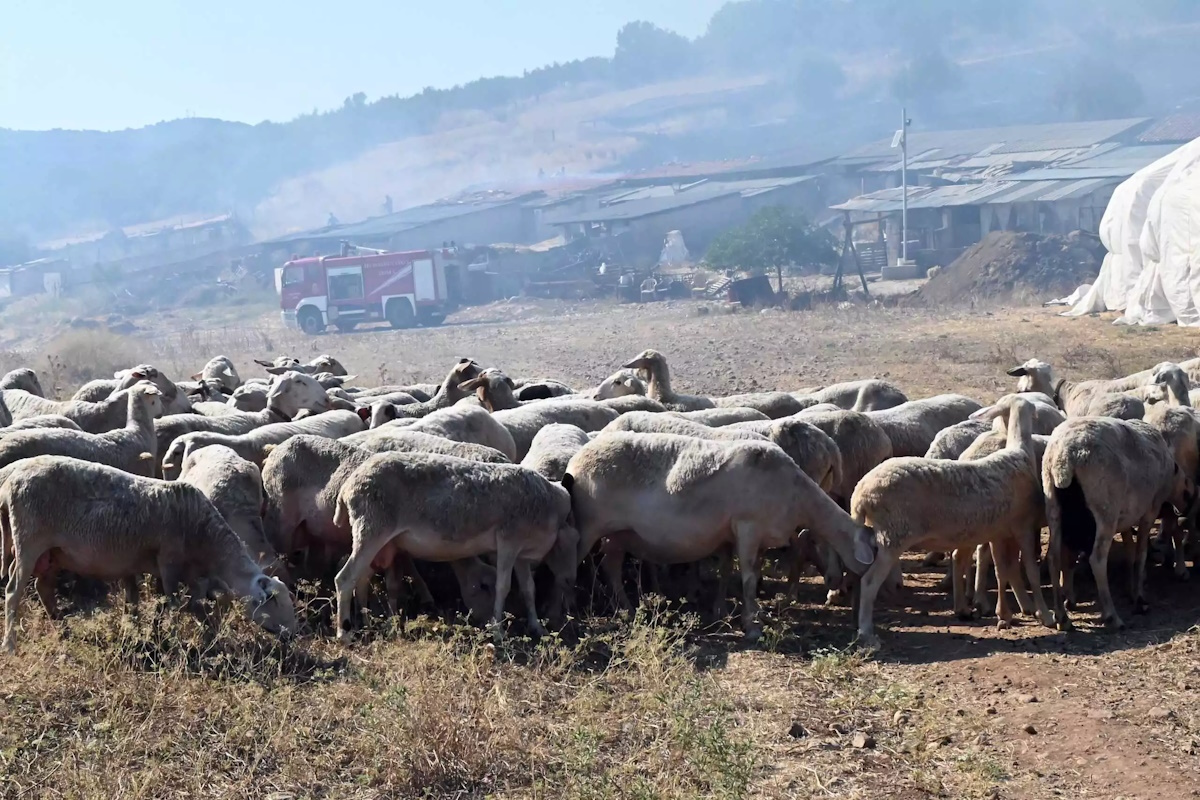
column 228, row 487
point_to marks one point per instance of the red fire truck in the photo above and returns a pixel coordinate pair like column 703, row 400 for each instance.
column 367, row 285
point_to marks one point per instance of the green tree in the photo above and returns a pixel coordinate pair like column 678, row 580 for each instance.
column 774, row 238
column 646, row 53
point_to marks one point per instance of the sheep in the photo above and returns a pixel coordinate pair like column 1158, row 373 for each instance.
column 647, row 422
column 100, row 417
column 421, row 391
column 676, row 499
column 1088, row 398
column 822, row 408
column 222, row 370
column 254, row 445
column 912, row 426
column 622, row 383
column 861, row 395
column 288, row 396
column 1102, row 476
column 301, row 480
column 813, row 450
column 950, row 442
column 322, row 363
column 633, row 402
column 44, row 421
column 524, row 422
column 719, row 417
column 60, row 513
column 1180, row 428
column 653, row 365
column 552, row 448
column 234, row 486
column 174, row 401
column 540, row 389
column 913, row 502
column 462, row 423
column 391, row 440
column 449, row 393
column 440, row 508
column 131, row 448
column 23, row 378
column 249, row 397
column 775, row 405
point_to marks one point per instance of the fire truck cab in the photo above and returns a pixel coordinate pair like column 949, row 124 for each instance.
column 364, row 285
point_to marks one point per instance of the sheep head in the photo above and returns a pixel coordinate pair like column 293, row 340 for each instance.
column 1034, row 375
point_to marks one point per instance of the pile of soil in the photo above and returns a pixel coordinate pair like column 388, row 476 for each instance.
column 1016, row 266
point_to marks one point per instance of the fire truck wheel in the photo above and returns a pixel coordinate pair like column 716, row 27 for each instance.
column 400, row 314
column 310, row 322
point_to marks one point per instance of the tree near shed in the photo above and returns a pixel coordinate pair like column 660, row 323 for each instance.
column 775, row 237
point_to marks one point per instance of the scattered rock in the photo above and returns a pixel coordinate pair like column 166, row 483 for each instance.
column 900, row 718
column 1160, row 713
column 1032, row 731
column 1101, row 713
column 1027, row 698
column 797, row 731
column 990, row 710
column 863, row 741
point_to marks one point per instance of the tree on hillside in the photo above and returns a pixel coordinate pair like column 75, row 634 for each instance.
column 774, row 238
column 647, row 53
column 753, row 34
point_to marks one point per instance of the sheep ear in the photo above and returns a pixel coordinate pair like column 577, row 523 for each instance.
column 344, row 379
column 510, row 382
column 197, row 376
column 264, row 588
column 635, row 364
column 262, row 363
column 986, row 414
column 226, row 371
column 473, row 384
column 364, row 413
column 278, row 370
column 1017, row 372
column 864, row 545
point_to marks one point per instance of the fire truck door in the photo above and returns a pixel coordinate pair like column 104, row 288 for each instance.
column 423, row 280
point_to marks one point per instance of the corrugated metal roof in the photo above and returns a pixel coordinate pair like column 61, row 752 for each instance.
column 390, row 224
column 1178, row 128
column 1006, row 140
column 636, row 204
column 973, row 194
column 1125, row 160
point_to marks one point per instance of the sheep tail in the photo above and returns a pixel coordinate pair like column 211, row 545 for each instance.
column 341, row 516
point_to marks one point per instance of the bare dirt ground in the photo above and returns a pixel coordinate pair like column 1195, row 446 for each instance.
column 680, row 708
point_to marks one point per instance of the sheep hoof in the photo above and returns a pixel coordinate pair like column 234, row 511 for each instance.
column 867, row 641
column 1112, row 622
column 1046, row 619
column 1070, row 605
column 832, row 597
column 966, row 615
column 1064, row 624
column 1003, row 624
column 945, row 583
column 933, row 559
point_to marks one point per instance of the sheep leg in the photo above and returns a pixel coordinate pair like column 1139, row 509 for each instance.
column 132, row 595
column 1140, row 606
column 1178, row 535
column 1099, row 562
column 362, row 593
column 1005, row 566
column 960, row 561
column 933, row 558
column 506, row 560
column 747, row 553
column 1054, row 554
column 408, row 567
column 611, row 563
column 529, row 595
column 346, row 581
column 1030, row 547
column 984, row 562
column 21, row 571
column 868, row 590
column 833, row 575
column 724, row 563
column 46, row 583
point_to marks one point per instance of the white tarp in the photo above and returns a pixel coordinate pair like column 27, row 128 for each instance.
column 1151, row 228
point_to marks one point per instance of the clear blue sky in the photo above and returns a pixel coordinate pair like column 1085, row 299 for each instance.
column 128, row 63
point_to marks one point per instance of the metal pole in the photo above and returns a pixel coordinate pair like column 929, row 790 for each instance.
column 904, row 184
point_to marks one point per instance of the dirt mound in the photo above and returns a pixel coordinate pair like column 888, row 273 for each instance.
column 1016, row 266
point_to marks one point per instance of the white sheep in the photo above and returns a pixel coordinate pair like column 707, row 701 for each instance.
column 403, row 502
column 98, row 417
column 461, row 423
column 861, row 395
column 23, row 378
column 676, row 499
column 552, row 448
column 720, row 417
column 1102, row 476
column 912, row 426
column 174, row 401
column 60, row 513
column 653, row 365
column 914, row 502
column 449, row 393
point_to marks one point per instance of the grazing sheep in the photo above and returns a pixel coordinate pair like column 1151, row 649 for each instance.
column 621, row 383
column 914, row 502
column 440, row 508
column 322, row 363
column 552, row 448
column 813, row 450
column 174, row 401
column 1180, row 428
column 106, row 415
column 44, row 421
column 1087, row 398
column 234, row 486
column 209, row 408
column 249, row 397
column 1102, row 476
column 540, row 389
column 131, row 448
column 647, row 422
column 23, row 378
column 254, row 445
column 222, row 370
column 720, row 417
column 775, row 405
column 60, row 513
column 912, row 426
column 633, row 402
column 677, row 499
column 653, row 365
column 863, row 395
column 449, row 393
column 952, row 441
column 405, row 440
column 288, row 396
column 462, row 423
column 524, row 422
column 421, row 391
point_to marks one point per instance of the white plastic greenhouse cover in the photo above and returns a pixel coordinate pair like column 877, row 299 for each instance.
column 1151, row 229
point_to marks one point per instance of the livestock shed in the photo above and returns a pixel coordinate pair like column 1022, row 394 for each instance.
column 700, row 210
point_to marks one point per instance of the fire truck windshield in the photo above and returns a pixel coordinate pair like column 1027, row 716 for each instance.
column 293, row 276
